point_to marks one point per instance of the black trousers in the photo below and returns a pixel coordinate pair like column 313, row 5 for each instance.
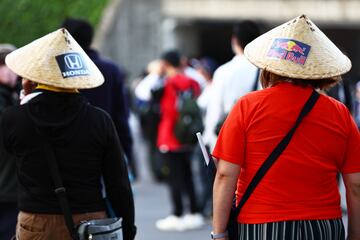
column 332, row 229
column 180, row 181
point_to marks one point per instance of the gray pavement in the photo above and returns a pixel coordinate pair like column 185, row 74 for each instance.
column 151, row 204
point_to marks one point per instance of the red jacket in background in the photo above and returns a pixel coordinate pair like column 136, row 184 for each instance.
column 166, row 139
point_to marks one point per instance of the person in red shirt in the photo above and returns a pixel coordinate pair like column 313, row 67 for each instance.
column 298, row 198
column 176, row 155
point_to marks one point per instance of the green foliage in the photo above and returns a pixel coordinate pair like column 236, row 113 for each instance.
column 25, row 20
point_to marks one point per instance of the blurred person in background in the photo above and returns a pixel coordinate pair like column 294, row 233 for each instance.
column 190, row 71
column 231, row 81
column 55, row 120
column 357, row 104
column 205, row 66
column 111, row 95
column 148, row 94
column 298, row 198
column 153, row 79
column 342, row 93
column 8, row 184
column 176, row 155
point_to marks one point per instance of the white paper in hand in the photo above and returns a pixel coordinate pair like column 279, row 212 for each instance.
column 203, row 148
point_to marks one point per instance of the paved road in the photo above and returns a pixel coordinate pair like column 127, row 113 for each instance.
column 151, row 204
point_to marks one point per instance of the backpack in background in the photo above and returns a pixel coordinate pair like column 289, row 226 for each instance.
column 189, row 120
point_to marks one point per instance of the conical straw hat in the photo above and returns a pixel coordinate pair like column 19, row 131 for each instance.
column 297, row 49
column 56, row 60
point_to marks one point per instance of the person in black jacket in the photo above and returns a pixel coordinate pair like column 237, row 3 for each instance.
column 8, row 197
column 342, row 93
column 55, row 117
column 111, row 95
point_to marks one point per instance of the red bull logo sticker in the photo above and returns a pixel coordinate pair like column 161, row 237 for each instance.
column 289, row 50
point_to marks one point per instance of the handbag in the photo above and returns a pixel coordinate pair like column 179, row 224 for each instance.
column 232, row 226
column 98, row 229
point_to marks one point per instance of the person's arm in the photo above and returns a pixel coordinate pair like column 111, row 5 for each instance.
column 352, row 184
column 223, row 193
column 350, row 169
column 117, row 184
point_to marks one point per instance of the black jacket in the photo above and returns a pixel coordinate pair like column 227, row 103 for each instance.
column 110, row 96
column 7, row 162
column 86, row 147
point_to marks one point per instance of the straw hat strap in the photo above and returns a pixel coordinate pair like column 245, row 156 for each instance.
column 55, row 89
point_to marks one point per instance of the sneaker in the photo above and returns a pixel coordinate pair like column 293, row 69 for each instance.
column 193, row 221
column 170, row 223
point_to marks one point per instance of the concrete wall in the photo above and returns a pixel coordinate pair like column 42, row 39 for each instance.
column 134, row 38
column 332, row 11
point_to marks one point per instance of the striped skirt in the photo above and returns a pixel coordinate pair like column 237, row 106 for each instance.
column 294, row 230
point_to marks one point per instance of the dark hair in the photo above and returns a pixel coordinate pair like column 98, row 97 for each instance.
column 207, row 63
column 245, row 32
column 172, row 57
column 81, row 30
column 269, row 79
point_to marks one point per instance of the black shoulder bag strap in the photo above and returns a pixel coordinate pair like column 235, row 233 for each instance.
column 276, row 152
column 59, row 188
column 60, row 191
column 256, row 82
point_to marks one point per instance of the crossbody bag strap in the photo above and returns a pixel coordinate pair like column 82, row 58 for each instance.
column 60, row 191
column 59, row 188
column 277, row 151
column 256, row 81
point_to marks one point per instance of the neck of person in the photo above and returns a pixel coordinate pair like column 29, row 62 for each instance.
column 172, row 72
column 239, row 51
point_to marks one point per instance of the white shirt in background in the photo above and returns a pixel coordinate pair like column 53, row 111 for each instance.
column 143, row 89
column 204, row 98
column 231, row 81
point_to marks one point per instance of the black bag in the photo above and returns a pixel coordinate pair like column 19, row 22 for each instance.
column 100, row 229
column 189, row 120
column 232, row 226
column 219, row 125
column 149, row 113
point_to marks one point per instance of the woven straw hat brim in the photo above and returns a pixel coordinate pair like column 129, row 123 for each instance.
column 43, row 61
column 323, row 60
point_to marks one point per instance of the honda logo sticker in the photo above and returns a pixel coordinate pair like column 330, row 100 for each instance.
column 72, row 65
column 73, row 61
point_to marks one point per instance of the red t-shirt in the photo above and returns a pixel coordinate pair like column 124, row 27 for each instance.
column 302, row 183
column 166, row 139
